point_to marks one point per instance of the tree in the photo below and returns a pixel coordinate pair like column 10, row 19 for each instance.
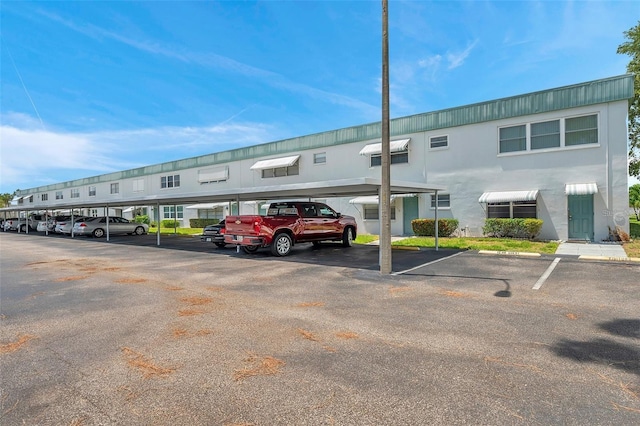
column 5, row 199
column 632, row 48
column 634, row 199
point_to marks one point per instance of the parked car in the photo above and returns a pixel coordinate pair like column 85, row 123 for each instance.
column 214, row 234
column 64, row 226
column 97, row 227
column 11, row 224
column 288, row 223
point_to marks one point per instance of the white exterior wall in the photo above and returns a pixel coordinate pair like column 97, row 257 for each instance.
column 468, row 167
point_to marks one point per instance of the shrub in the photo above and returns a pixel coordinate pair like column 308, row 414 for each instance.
column 142, row 219
column 426, row 227
column 201, row 223
column 170, row 223
column 512, row 228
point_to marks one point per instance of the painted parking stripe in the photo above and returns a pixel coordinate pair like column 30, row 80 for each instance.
column 546, row 274
column 426, row 264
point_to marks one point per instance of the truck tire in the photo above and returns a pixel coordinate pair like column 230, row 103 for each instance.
column 250, row 249
column 347, row 237
column 281, row 244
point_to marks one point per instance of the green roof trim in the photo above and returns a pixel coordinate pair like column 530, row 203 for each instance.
column 605, row 90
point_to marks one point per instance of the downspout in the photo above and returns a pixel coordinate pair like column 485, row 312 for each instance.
column 436, row 215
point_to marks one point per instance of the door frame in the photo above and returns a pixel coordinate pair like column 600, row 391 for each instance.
column 573, row 199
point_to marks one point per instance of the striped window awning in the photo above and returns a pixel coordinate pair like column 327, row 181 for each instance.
column 508, row 196
column 376, row 148
column 581, row 189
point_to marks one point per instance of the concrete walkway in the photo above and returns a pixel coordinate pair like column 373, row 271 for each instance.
column 582, row 249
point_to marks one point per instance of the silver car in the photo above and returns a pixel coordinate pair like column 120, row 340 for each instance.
column 63, row 226
column 97, row 227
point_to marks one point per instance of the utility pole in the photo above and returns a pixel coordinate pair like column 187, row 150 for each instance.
column 384, row 196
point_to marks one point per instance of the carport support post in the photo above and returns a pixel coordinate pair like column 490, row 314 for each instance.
column 436, row 215
column 107, row 215
column 385, row 182
column 157, row 218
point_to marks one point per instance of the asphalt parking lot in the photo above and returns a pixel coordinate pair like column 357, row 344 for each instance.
column 126, row 332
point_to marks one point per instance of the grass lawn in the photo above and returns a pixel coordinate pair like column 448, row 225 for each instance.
column 498, row 244
column 179, row 231
column 633, row 248
column 365, row 239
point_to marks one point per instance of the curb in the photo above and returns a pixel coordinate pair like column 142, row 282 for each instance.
column 411, row 248
column 510, row 253
column 610, row 259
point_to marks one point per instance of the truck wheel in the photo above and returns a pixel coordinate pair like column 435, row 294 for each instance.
column 347, row 237
column 281, row 245
column 221, row 244
column 250, row 249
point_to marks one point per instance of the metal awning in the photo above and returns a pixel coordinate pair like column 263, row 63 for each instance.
column 206, row 206
column 507, row 196
column 376, row 148
column 581, row 188
column 127, row 210
column 275, row 163
column 373, row 199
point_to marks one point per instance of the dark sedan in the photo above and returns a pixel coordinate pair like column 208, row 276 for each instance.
column 214, row 234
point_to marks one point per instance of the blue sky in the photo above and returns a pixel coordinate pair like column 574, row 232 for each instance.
column 93, row 87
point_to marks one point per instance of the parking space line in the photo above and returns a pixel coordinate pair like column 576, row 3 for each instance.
column 546, row 274
column 426, row 264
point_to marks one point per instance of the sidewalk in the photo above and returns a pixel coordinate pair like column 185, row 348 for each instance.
column 601, row 250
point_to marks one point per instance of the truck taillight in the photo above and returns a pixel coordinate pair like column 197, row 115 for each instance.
column 222, row 230
column 256, row 226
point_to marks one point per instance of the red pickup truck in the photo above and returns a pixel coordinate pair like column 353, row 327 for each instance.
column 288, row 223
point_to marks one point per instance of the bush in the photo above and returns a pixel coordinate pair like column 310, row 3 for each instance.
column 201, row 223
column 170, row 223
column 142, row 219
column 512, row 228
column 426, row 227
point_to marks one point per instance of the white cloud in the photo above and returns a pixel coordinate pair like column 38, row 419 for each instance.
column 456, row 59
column 32, row 158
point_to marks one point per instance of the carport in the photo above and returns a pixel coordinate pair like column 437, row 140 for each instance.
column 355, row 187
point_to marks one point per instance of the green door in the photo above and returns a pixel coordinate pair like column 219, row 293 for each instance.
column 581, row 217
column 409, row 212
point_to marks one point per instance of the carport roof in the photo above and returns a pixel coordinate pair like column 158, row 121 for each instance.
column 320, row 189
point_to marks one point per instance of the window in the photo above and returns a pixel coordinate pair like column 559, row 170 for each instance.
column 138, row 185
column 513, row 139
column 396, row 158
column 281, row 171
column 92, row 191
column 31, row 199
column 372, row 212
column 581, row 130
column 512, row 210
column 320, row 158
column 552, row 134
column 545, row 135
column 170, row 213
column 58, row 195
column 75, row 193
column 215, row 213
column 115, row 188
column 444, row 201
column 44, row 197
column 439, row 142
column 171, row 181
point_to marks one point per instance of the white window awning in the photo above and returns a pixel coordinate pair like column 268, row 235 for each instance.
column 206, row 206
column 373, row 199
column 507, row 196
column 581, row 189
column 127, row 210
column 376, row 148
column 274, row 163
column 214, row 174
